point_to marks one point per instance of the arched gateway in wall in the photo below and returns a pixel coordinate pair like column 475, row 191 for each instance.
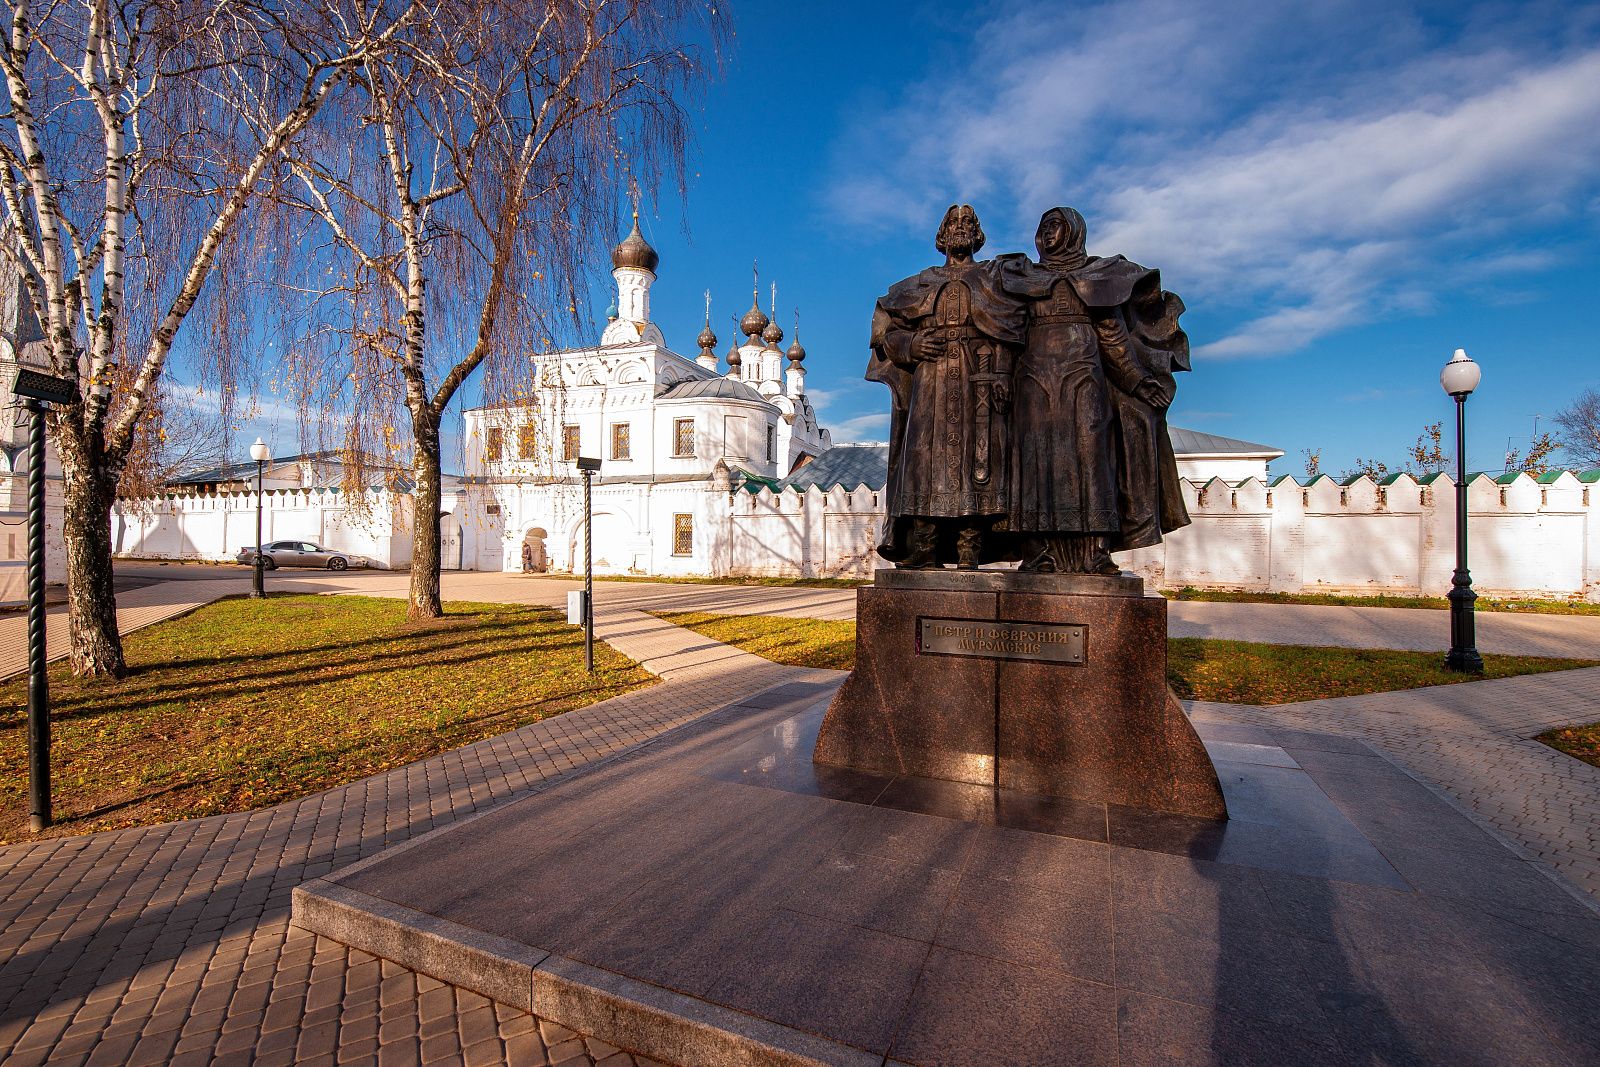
column 535, row 556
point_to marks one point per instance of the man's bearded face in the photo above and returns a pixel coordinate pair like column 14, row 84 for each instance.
column 961, row 235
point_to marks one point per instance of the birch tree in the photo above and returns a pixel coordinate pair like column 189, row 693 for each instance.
column 456, row 231
column 136, row 133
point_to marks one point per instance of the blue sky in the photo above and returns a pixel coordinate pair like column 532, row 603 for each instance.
column 1342, row 193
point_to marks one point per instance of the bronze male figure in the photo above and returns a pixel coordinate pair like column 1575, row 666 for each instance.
column 945, row 342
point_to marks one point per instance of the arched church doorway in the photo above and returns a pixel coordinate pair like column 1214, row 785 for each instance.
column 535, row 557
column 449, row 542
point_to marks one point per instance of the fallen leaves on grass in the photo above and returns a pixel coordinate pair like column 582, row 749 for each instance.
column 1246, row 672
column 247, row 703
column 1579, row 742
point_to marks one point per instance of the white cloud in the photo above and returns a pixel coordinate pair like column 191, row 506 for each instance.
column 245, row 408
column 846, row 392
column 1298, row 167
column 862, row 429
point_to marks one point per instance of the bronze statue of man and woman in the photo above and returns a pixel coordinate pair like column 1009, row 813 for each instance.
column 1029, row 404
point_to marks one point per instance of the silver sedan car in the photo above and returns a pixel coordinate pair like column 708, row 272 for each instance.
column 299, row 554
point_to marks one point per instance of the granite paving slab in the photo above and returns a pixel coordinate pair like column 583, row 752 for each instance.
column 717, row 898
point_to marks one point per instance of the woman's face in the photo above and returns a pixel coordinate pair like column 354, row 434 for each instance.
column 1051, row 233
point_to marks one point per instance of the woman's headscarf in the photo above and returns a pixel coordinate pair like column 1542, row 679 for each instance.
column 1067, row 252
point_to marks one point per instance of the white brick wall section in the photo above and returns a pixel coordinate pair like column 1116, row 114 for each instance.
column 1526, row 538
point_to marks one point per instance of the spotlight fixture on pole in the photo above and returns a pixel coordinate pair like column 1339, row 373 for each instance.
column 1459, row 378
column 261, row 454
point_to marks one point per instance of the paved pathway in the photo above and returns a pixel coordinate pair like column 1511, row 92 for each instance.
column 1507, row 633
column 799, row 602
column 171, row 944
column 1577, row 636
column 1474, row 742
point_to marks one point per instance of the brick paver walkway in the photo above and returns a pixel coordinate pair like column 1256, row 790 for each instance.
column 1475, row 743
column 799, row 602
column 172, row 943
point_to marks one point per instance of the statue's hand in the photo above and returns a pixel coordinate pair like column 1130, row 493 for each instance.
column 930, row 346
column 1002, row 394
column 1151, row 392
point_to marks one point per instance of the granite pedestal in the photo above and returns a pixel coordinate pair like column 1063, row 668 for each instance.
column 1053, row 685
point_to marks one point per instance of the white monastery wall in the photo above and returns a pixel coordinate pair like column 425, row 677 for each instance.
column 1526, row 537
column 215, row 526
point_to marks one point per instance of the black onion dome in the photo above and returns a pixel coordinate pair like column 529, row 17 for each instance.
column 754, row 321
column 635, row 251
column 797, row 354
column 773, row 334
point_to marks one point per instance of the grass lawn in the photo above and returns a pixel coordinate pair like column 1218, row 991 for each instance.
column 1233, row 672
column 1579, row 742
column 1522, row 605
column 246, row 703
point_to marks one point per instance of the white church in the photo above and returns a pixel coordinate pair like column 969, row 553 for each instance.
column 674, row 435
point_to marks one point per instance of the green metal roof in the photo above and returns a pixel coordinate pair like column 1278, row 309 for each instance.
column 848, row 465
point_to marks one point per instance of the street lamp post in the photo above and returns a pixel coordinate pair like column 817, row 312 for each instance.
column 1459, row 378
column 260, row 453
column 37, row 392
column 588, row 467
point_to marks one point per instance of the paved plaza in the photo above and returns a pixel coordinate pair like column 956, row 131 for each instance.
column 173, row 943
column 720, row 898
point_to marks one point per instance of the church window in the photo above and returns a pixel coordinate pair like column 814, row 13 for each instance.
column 492, row 444
column 772, row 444
column 621, row 446
column 571, row 439
column 526, row 441
column 683, row 535
column 683, row 437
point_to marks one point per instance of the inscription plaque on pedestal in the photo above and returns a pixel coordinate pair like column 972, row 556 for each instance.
column 1045, row 642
